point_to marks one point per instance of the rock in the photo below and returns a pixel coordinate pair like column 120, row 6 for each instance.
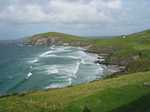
column 122, row 68
column 136, row 57
column 42, row 41
column 100, row 61
column 147, row 84
column 114, row 69
column 66, row 44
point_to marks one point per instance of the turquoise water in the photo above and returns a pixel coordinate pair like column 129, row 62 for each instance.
column 26, row 68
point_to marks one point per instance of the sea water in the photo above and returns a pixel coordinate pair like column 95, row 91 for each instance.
column 28, row 68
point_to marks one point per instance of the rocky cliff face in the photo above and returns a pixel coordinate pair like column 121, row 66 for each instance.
column 57, row 39
column 40, row 40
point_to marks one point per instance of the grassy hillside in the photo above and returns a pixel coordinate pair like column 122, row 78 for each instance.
column 63, row 36
column 127, row 93
column 104, row 95
column 133, row 51
column 50, row 38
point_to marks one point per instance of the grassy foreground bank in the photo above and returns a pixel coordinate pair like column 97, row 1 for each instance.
column 127, row 93
column 100, row 96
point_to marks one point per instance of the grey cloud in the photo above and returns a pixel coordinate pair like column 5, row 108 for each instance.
column 59, row 11
column 19, row 18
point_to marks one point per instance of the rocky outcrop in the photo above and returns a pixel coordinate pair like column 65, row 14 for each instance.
column 41, row 40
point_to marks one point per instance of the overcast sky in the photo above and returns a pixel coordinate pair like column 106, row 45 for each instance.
column 21, row 18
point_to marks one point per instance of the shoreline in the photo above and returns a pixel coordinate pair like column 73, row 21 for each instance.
column 113, row 69
column 108, row 71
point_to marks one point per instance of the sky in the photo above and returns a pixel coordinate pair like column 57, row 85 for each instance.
column 21, row 18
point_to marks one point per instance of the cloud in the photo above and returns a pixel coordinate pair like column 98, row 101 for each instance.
column 60, row 11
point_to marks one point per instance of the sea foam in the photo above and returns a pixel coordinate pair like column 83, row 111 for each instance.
column 29, row 75
column 51, row 63
column 33, row 61
column 52, row 70
column 45, row 53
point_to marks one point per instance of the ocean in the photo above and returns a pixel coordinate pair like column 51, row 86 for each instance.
column 28, row 68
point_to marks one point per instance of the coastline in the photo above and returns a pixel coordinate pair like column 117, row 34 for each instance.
column 108, row 70
column 88, row 45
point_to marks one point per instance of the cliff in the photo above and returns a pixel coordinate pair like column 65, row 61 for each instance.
column 56, row 38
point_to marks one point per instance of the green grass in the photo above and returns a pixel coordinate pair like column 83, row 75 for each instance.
column 104, row 95
column 65, row 38
column 132, row 51
column 136, row 106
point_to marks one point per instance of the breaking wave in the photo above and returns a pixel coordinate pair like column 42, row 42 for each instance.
column 52, row 70
column 33, row 60
column 29, row 75
column 68, row 71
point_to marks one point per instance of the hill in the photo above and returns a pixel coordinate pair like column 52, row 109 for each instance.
column 132, row 51
column 50, row 38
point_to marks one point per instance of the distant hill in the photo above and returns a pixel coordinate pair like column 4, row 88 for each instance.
column 53, row 38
